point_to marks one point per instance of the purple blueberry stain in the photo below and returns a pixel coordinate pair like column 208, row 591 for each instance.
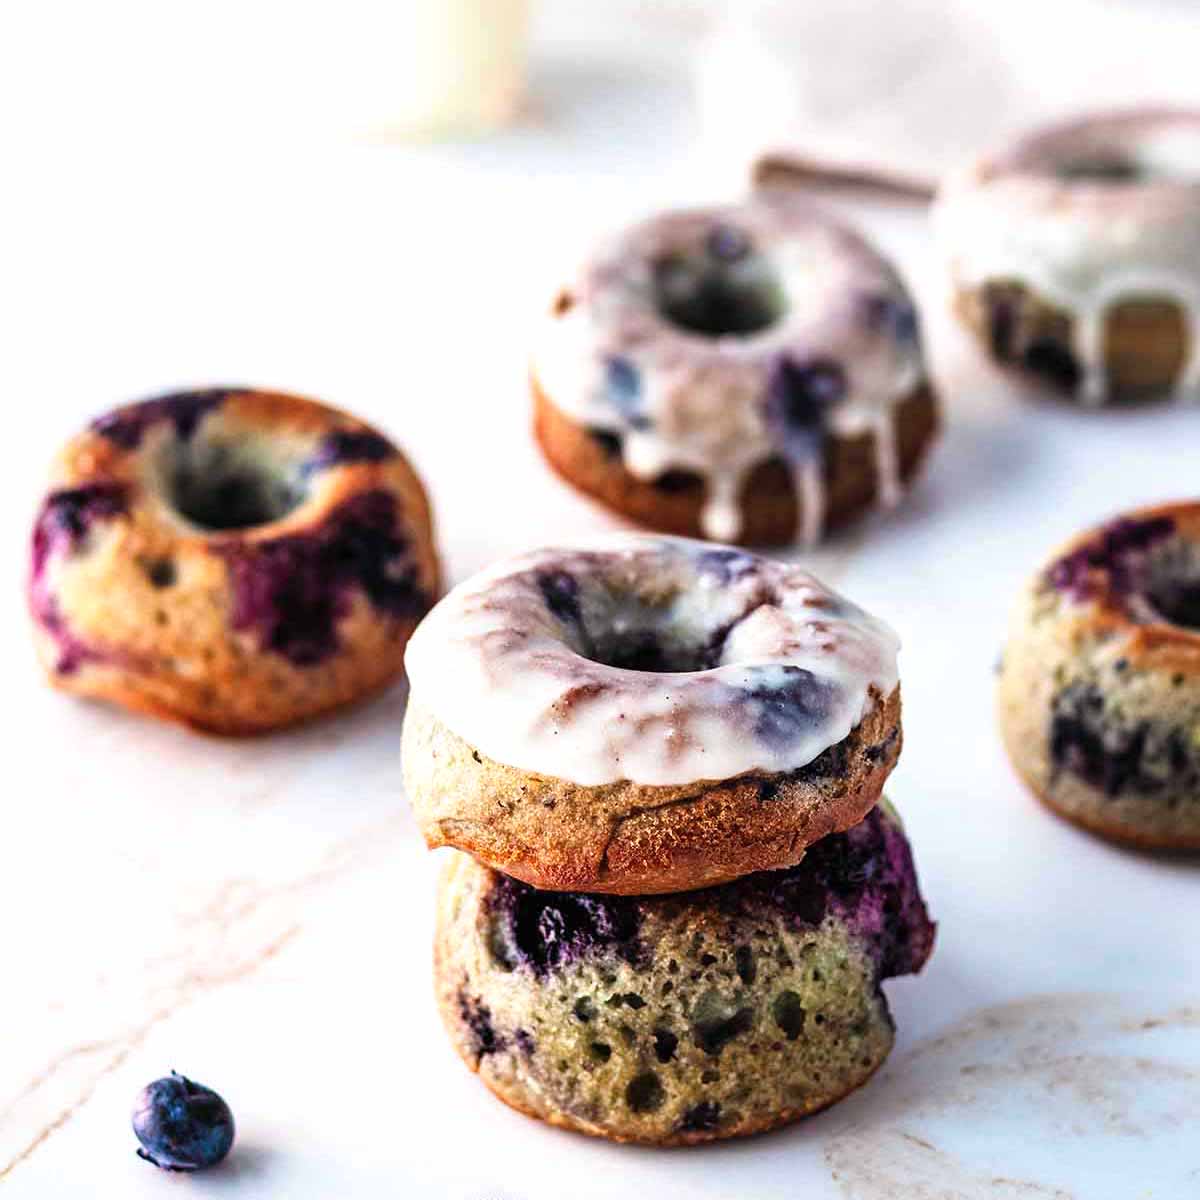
column 67, row 515
column 477, row 1017
column 560, row 591
column 544, row 930
column 343, row 447
column 894, row 316
column 799, row 397
column 1118, row 552
column 727, row 243
column 293, row 590
column 864, row 877
column 623, row 387
column 1117, row 757
column 725, row 565
column 61, row 528
column 181, row 1125
column 185, row 410
column 784, row 712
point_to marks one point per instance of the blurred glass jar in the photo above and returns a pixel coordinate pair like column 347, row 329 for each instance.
column 459, row 65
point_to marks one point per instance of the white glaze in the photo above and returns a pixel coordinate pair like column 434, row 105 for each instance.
column 1084, row 245
column 702, row 402
column 493, row 663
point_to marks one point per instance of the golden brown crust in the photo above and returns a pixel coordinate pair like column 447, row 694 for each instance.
column 770, row 510
column 631, row 839
column 1092, row 820
column 172, row 651
column 1144, row 348
column 1099, row 711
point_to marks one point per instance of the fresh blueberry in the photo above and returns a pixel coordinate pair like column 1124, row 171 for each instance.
column 727, row 243
column 182, row 1125
column 127, row 426
column 799, row 396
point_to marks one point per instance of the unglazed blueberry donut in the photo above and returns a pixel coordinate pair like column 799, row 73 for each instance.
column 750, row 373
column 681, row 1019
column 1074, row 255
column 1099, row 695
column 646, row 714
column 235, row 560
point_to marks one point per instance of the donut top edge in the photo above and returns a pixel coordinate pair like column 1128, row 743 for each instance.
column 658, row 661
column 1141, row 568
column 820, row 338
column 1084, row 243
column 290, row 581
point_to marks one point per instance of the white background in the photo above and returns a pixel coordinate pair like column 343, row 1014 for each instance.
column 258, row 914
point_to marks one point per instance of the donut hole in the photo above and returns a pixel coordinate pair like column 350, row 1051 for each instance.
column 1101, row 168
column 221, row 486
column 644, row 640
column 723, row 289
column 1175, row 597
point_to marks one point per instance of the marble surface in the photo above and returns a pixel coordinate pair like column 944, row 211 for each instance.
column 258, row 914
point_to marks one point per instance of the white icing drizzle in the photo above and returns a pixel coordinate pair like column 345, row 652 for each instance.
column 702, row 400
column 1084, row 245
column 794, row 667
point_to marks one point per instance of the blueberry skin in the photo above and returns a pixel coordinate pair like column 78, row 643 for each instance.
column 344, row 446
column 799, row 395
column 182, row 1126
column 185, row 410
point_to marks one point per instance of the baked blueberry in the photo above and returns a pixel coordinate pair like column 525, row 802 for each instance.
column 233, row 560
column 1099, row 690
column 182, row 1125
column 683, row 1018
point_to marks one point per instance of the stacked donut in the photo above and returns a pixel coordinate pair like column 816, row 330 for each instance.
column 680, row 888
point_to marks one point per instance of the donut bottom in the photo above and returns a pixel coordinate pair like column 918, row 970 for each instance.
column 1102, row 739
column 770, row 509
column 727, row 1018
column 638, row 839
column 248, row 698
column 1144, row 346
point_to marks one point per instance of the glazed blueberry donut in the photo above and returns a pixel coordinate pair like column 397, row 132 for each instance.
column 685, row 1018
column 1099, row 695
column 646, row 714
column 232, row 559
column 750, row 373
column 1074, row 255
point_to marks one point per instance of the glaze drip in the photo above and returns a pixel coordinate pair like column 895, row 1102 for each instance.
column 764, row 301
column 658, row 660
column 1082, row 241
